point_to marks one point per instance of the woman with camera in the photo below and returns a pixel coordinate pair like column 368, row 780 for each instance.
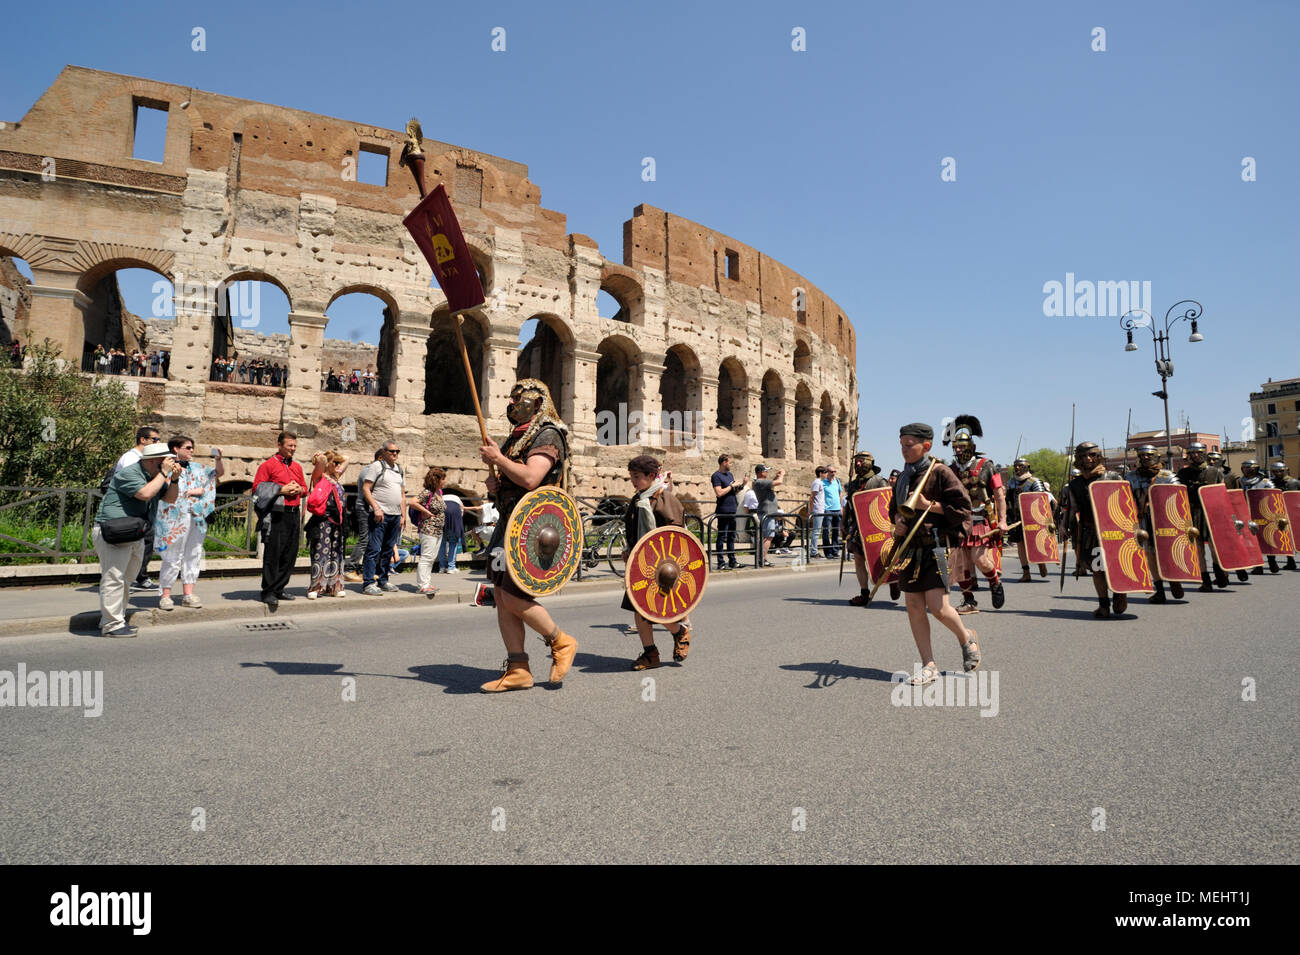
column 125, row 517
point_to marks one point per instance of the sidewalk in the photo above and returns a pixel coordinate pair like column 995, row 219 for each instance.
column 74, row 609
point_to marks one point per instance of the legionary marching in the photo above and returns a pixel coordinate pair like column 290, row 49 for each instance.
column 982, row 549
column 1148, row 473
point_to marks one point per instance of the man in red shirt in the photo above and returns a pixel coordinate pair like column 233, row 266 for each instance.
column 282, row 526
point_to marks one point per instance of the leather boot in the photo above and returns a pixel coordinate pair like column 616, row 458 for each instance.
column 999, row 595
column 516, row 676
column 1024, row 574
column 1120, row 602
column 1042, row 570
column 1176, row 589
column 1206, row 587
column 1159, row 596
column 563, row 649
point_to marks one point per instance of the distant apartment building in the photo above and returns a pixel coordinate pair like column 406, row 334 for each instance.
column 1276, row 410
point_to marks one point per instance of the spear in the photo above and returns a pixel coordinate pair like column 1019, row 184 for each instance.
column 1065, row 494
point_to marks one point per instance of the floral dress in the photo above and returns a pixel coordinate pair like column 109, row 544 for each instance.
column 175, row 520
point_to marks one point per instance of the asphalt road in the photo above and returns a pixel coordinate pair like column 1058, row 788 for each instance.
column 782, row 716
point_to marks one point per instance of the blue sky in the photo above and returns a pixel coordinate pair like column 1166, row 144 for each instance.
column 1114, row 166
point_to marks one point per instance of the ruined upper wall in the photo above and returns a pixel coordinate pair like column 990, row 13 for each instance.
column 696, row 255
column 85, row 121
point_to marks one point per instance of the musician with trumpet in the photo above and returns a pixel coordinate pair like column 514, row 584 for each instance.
column 935, row 513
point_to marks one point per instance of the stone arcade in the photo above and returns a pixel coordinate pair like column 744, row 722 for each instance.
column 756, row 359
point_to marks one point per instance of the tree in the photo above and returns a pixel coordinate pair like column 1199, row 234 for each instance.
column 1048, row 465
column 59, row 428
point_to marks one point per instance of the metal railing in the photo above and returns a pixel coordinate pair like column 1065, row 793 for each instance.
column 55, row 525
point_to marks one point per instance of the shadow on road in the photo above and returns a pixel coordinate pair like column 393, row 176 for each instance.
column 828, row 674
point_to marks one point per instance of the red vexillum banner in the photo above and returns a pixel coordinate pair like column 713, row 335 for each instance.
column 434, row 227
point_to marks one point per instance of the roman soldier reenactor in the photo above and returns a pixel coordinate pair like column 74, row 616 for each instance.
column 1253, row 479
column 1195, row 474
column 1023, row 480
column 1091, row 465
column 1147, row 473
column 866, row 477
column 988, row 500
column 535, row 454
column 1282, row 479
column 1216, row 460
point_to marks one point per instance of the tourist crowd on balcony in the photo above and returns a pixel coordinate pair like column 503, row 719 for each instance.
column 137, row 363
column 250, row 371
column 356, row 382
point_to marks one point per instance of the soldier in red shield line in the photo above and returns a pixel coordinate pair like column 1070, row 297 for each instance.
column 988, row 502
column 1253, row 479
column 1194, row 475
column 1022, row 481
column 1147, row 473
column 535, row 454
column 1282, row 478
column 866, row 477
column 1078, row 516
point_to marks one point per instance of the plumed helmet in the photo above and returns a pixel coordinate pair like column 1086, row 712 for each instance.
column 965, row 429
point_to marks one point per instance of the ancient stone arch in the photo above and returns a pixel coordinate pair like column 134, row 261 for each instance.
column 773, row 417
column 251, row 190
column 805, row 450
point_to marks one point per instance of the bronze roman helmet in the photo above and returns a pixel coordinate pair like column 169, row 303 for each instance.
column 966, row 428
column 1148, row 458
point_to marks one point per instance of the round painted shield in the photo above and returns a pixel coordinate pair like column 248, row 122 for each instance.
column 543, row 542
column 666, row 574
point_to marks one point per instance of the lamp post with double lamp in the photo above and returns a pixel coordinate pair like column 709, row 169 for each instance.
column 1140, row 318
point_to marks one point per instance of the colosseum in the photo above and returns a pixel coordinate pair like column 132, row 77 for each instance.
column 720, row 346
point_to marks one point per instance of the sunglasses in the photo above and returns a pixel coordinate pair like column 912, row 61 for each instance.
column 393, row 450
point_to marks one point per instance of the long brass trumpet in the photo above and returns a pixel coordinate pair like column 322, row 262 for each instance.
column 908, row 510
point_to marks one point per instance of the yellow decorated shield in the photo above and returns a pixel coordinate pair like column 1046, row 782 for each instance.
column 666, row 574
column 543, row 543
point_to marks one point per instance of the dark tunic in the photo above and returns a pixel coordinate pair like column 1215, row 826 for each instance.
column 550, row 442
column 949, row 529
column 1194, row 478
column 1015, row 487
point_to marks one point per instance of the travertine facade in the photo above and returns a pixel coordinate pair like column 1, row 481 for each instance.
column 755, row 359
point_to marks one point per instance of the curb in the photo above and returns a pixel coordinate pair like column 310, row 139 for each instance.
column 86, row 623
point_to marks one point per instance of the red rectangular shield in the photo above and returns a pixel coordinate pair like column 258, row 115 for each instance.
column 1178, row 551
column 1123, row 558
column 1038, row 528
column 1292, row 501
column 871, row 508
column 434, row 227
column 1228, row 516
column 1268, row 511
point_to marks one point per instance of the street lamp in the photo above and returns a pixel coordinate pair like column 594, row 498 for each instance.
column 1160, row 342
